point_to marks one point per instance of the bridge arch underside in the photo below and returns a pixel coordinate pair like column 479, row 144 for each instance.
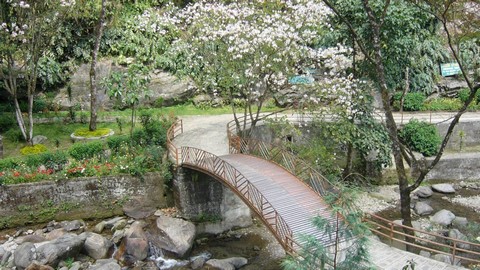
column 201, row 197
column 293, row 200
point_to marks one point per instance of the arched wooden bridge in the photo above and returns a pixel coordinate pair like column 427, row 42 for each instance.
column 284, row 202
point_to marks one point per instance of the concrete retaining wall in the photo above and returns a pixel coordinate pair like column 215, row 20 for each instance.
column 202, row 198
column 76, row 198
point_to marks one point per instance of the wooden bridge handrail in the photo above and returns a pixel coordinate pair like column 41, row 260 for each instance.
column 269, row 151
column 390, row 233
column 175, row 129
column 213, row 165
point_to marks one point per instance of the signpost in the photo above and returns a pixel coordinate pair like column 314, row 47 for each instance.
column 450, row 69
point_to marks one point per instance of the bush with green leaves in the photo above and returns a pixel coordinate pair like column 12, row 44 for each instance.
column 465, row 93
column 443, row 104
column 115, row 143
column 81, row 151
column 421, row 136
column 51, row 160
column 344, row 229
column 7, row 121
column 33, row 149
column 9, row 163
column 14, row 135
column 411, row 102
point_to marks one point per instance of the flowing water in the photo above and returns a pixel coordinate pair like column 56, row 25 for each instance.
column 237, row 244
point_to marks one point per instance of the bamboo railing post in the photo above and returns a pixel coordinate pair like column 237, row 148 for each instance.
column 391, row 233
column 454, row 251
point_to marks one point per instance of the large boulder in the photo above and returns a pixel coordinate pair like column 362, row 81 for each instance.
column 24, row 255
column 178, row 234
column 423, row 209
column 169, row 89
column 228, row 264
column 443, row 217
column 443, row 188
column 165, row 89
column 105, row 264
column 52, row 252
column 423, row 192
column 73, row 225
column 134, row 246
column 96, row 246
column 456, row 234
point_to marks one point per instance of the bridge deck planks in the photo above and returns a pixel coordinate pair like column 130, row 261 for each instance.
column 292, row 199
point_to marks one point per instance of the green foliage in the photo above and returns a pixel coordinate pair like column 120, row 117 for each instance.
column 313, row 255
column 6, row 122
column 115, row 143
column 413, row 101
column 51, row 160
column 443, row 104
column 372, row 136
column 421, row 137
column 464, row 93
column 14, row 135
column 51, row 72
column 33, row 149
column 81, row 151
column 9, row 163
column 86, row 133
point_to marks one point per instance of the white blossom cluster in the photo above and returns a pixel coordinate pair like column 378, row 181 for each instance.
column 67, row 3
column 16, row 30
column 256, row 46
column 156, row 21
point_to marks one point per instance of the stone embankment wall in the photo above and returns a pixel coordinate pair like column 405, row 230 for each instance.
column 202, row 198
column 83, row 198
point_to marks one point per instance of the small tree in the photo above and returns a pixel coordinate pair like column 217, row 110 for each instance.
column 246, row 51
column 374, row 25
column 26, row 30
column 129, row 87
column 348, row 233
column 93, row 73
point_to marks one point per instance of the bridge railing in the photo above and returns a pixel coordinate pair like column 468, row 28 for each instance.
column 175, row 129
column 428, row 241
column 277, row 153
column 213, row 165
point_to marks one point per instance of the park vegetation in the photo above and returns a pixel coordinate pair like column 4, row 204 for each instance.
column 340, row 52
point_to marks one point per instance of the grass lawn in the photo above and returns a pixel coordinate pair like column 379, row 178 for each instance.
column 60, row 131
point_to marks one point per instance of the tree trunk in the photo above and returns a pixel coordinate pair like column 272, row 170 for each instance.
column 19, row 116
column 390, row 122
column 93, row 73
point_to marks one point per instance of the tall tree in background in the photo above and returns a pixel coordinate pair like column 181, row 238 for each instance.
column 93, row 73
column 374, row 25
column 26, row 31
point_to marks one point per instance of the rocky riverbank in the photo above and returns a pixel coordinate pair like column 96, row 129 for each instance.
column 138, row 241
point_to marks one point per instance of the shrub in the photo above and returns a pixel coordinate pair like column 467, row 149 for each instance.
column 139, row 137
column 81, row 151
column 421, row 137
column 33, row 149
column 7, row 121
column 54, row 161
column 39, row 105
column 116, row 142
column 14, row 135
column 443, row 104
column 86, row 133
column 412, row 101
column 464, row 93
column 9, row 163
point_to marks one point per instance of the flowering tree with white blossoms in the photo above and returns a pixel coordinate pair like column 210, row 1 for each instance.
column 26, row 29
column 247, row 51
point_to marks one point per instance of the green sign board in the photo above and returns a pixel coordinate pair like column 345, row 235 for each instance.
column 449, row 69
